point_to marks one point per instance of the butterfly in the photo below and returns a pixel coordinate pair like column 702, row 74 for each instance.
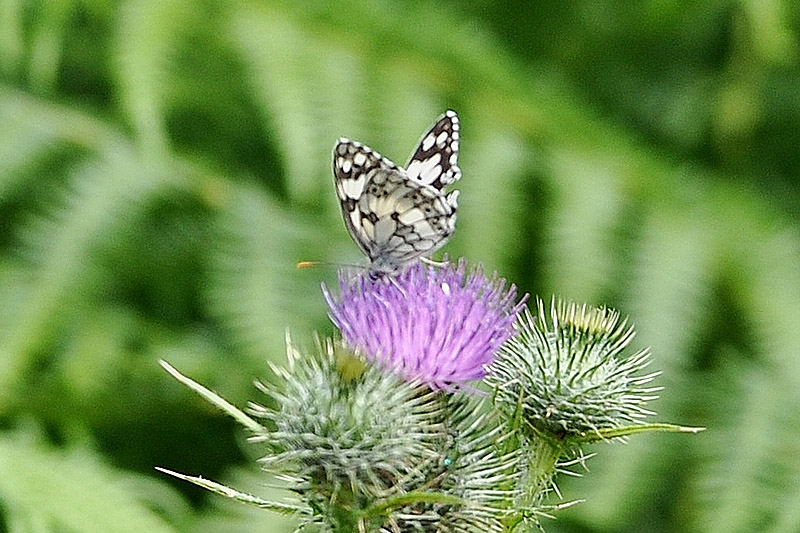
column 397, row 215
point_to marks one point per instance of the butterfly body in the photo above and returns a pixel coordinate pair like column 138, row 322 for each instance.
column 397, row 215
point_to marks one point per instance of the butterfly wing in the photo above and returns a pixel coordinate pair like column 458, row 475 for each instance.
column 402, row 220
column 352, row 163
column 435, row 161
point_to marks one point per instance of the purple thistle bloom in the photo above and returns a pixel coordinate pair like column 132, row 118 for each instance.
column 438, row 326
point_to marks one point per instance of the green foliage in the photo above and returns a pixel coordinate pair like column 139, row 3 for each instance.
column 163, row 166
column 44, row 489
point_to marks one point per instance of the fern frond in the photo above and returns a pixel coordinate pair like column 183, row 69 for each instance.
column 12, row 43
column 750, row 474
column 148, row 35
column 47, row 44
column 309, row 90
column 254, row 287
column 493, row 195
column 74, row 490
column 585, row 217
column 671, row 272
column 99, row 198
column 63, row 229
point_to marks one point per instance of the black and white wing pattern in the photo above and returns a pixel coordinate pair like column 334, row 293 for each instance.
column 435, row 162
column 396, row 216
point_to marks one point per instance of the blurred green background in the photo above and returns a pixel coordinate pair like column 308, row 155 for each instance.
column 164, row 165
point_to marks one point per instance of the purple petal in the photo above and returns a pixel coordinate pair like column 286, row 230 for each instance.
column 439, row 326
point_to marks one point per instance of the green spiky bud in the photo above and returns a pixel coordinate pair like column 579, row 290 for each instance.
column 366, row 449
column 348, row 438
column 563, row 381
column 567, row 376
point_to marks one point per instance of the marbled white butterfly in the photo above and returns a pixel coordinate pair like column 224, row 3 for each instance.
column 397, row 215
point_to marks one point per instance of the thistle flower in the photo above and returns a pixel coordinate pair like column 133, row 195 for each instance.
column 439, row 326
column 365, row 450
column 568, row 379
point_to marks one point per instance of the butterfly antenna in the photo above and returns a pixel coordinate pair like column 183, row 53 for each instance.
column 310, row 264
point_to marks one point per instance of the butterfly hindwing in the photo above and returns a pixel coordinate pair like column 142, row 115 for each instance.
column 393, row 215
column 402, row 220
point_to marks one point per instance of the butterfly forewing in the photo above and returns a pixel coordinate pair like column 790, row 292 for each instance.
column 435, row 161
column 352, row 163
column 393, row 215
